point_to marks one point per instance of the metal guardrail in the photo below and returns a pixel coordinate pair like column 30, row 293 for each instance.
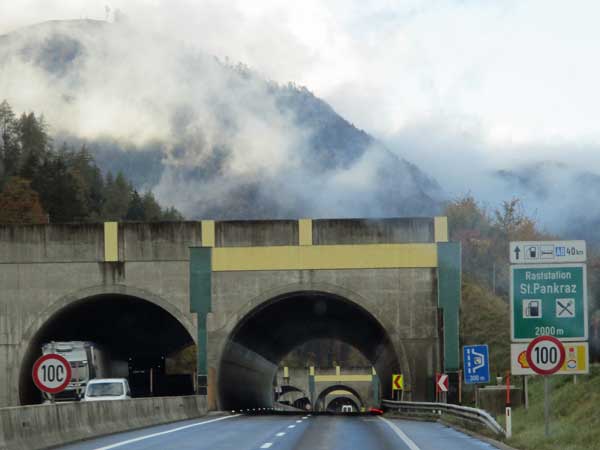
column 464, row 412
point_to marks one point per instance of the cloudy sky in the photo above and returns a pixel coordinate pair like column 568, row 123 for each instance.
column 446, row 83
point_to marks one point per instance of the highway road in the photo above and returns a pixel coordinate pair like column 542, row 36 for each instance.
column 287, row 432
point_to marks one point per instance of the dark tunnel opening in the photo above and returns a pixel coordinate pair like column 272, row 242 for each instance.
column 293, row 396
column 336, row 405
column 321, row 403
column 260, row 341
column 137, row 334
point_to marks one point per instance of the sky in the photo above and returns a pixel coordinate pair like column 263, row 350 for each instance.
column 448, row 84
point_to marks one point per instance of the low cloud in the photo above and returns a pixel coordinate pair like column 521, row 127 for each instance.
column 464, row 89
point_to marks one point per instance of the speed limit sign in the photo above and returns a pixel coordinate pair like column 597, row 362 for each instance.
column 545, row 355
column 52, row 373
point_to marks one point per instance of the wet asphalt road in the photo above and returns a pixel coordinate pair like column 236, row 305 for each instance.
column 283, row 432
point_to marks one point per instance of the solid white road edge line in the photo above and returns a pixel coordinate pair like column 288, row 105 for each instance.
column 149, row 436
column 408, row 441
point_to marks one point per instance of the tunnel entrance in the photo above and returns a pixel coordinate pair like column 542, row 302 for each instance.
column 259, row 342
column 341, row 395
column 338, row 403
column 144, row 340
column 293, row 396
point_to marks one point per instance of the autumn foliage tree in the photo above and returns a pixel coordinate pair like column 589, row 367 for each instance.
column 485, row 238
column 19, row 204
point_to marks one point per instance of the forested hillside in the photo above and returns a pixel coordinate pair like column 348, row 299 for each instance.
column 213, row 138
column 484, row 236
column 40, row 183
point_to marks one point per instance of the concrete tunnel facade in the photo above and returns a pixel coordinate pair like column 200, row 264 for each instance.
column 244, row 291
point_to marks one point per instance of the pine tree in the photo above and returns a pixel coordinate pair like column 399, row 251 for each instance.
column 35, row 144
column 116, row 193
column 152, row 210
column 9, row 148
column 136, row 207
column 61, row 193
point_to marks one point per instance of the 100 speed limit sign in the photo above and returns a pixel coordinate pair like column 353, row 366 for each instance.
column 545, row 355
column 52, row 373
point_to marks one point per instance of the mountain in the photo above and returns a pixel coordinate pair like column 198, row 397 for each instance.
column 211, row 138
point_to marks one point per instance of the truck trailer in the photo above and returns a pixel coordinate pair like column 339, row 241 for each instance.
column 88, row 360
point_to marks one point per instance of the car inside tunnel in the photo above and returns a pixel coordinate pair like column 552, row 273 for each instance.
column 139, row 335
column 337, row 404
column 261, row 339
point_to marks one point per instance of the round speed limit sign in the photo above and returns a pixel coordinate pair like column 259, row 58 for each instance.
column 545, row 355
column 52, row 373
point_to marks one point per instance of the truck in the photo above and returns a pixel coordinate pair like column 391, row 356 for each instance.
column 88, row 360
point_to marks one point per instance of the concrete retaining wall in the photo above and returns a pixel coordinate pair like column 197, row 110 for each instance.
column 42, row 426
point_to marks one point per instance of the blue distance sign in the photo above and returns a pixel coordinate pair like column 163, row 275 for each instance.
column 476, row 363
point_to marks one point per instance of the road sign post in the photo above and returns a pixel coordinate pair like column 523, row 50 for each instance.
column 546, row 406
column 545, row 356
column 548, row 310
column 51, row 373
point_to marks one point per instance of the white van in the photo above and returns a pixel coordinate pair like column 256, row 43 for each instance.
column 107, row 389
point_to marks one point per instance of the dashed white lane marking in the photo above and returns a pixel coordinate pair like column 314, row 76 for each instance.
column 305, row 417
column 149, row 436
column 298, row 421
column 280, row 434
column 291, row 426
column 408, row 441
column 266, row 445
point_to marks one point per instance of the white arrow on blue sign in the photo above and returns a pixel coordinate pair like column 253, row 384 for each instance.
column 476, row 364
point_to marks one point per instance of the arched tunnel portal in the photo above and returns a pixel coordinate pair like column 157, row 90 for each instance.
column 270, row 331
column 293, row 396
column 323, row 404
column 132, row 330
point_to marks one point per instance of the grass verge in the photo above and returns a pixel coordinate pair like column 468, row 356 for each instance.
column 574, row 415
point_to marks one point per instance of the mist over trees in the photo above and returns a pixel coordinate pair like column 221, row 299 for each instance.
column 484, row 236
column 42, row 184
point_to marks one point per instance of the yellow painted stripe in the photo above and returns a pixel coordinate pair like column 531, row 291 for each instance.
column 311, row 370
column 111, row 241
column 208, row 233
column 340, row 392
column 342, row 378
column 305, row 232
column 440, row 229
column 286, row 372
column 376, row 256
column 337, row 370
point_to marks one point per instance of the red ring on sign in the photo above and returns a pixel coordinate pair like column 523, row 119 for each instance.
column 561, row 357
column 39, row 383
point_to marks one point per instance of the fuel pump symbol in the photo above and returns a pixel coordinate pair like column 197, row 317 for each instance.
column 532, row 309
column 532, row 252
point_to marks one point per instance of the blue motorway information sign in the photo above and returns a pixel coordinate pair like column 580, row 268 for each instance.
column 476, row 363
